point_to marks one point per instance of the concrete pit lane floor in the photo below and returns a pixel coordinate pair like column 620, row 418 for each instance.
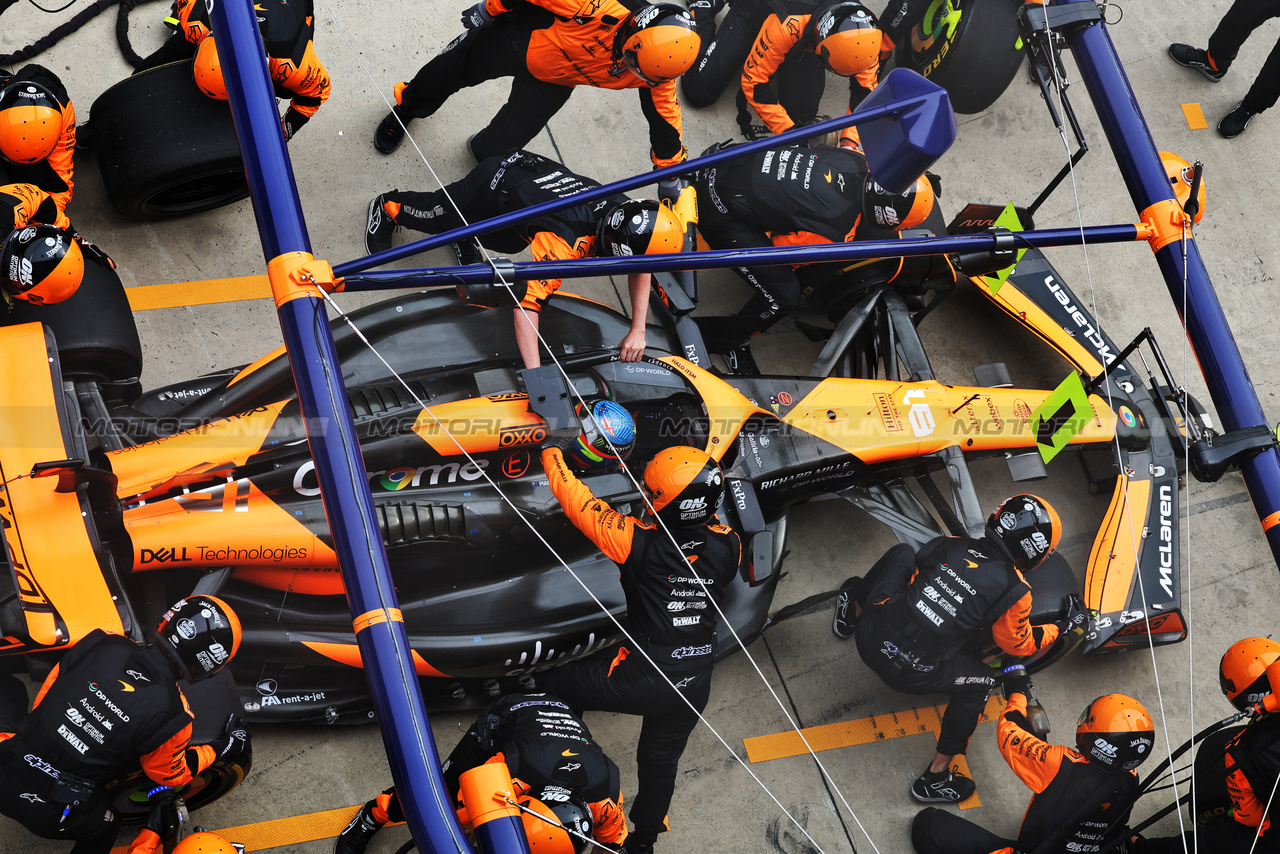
column 1007, row 153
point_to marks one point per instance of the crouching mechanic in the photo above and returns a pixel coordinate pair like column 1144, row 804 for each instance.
column 672, row 570
column 1080, row 798
column 615, row 225
column 42, row 257
column 107, row 706
column 548, row 48
column 533, row 734
column 791, row 197
column 37, row 132
column 914, row 613
column 288, row 31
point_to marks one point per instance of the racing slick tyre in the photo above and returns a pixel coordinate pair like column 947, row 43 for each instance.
column 1051, row 583
column 212, row 702
column 968, row 47
column 97, row 338
column 164, row 149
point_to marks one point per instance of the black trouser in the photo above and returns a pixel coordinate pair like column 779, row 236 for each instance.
column 632, row 686
column 1238, row 24
column 434, row 213
column 26, row 797
column 799, row 84
column 722, row 225
column 935, row 831
column 499, row 50
column 723, row 51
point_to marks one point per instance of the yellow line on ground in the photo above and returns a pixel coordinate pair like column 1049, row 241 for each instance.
column 779, row 745
column 147, row 297
column 284, row 831
column 1194, row 116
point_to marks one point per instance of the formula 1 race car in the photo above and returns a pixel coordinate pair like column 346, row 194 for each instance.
column 114, row 502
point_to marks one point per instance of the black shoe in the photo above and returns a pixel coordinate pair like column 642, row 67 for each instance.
column 1194, row 57
column 635, row 846
column 355, row 837
column 467, row 252
column 845, row 622
column 1235, row 122
column 942, row 787
column 389, row 135
column 740, row 361
column 378, row 227
column 84, row 137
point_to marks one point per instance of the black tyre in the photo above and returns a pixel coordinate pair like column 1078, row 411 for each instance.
column 1051, row 583
column 968, row 47
column 96, row 335
column 163, row 148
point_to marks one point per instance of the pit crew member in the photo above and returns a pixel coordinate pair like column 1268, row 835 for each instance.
column 37, row 132
column 42, row 257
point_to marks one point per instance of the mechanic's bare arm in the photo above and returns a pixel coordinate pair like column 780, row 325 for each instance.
column 632, row 346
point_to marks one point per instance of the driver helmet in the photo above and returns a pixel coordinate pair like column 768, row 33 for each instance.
column 41, row 264
column 686, row 486
column 848, row 41
column 208, row 70
column 200, row 634
column 205, row 842
column 1243, row 671
column 604, row 424
column 557, row 808
column 1116, row 732
column 30, row 122
column 639, row 227
column 897, row 211
column 1180, row 175
column 1028, row 527
column 657, row 42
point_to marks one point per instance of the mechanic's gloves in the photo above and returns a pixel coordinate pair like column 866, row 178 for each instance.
column 234, row 740
column 935, row 181
column 1014, row 680
column 669, row 190
column 1077, row 617
column 292, row 123
column 477, row 17
column 562, row 439
column 89, row 250
column 487, row 730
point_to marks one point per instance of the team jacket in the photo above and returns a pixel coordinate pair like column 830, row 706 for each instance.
column 108, row 705
column 1071, row 795
column 29, row 205
column 577, row 50
column 544, row 744
column 526, row 179
column 1253, row 764
column 667, row 609
column 53, row 174
column 930, row 604
column 788, row 31
column 288, row 29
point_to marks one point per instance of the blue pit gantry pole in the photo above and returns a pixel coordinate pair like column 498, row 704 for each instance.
column 1215, row 348
column 295, row 281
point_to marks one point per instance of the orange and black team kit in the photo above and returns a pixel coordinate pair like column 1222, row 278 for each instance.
column 288, row 31
column 27, row 204
column 1076, row 801
column 919, row 610
column 670, row 616
column 501, row 185
column 549, row 752
column 53, row 174
column 547, row 47
column 108, row 705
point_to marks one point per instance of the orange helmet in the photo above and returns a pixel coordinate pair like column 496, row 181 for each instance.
column 1243, row 671
column 897, row 211
column 657, row 42
column 1028, row 527
column 30, row 122
column 1179, row 172
column 41, row 264
column 208, row 70
column 639, row 227
column 546, row 832
column 205, row 842
column 685, row 485
column 1116, row 732
column 848, row 40
column 201, row 634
